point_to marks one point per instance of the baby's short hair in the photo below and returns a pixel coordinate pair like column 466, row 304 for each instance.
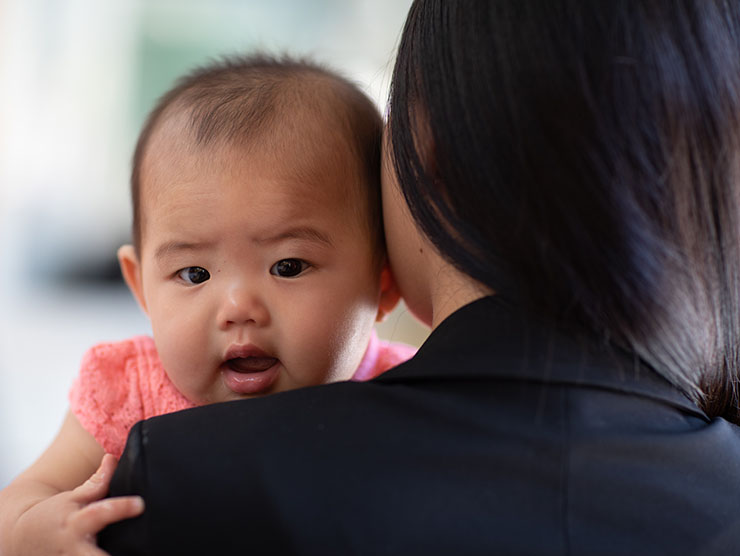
column 236, row 99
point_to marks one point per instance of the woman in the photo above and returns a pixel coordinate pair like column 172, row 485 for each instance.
column 566, row 219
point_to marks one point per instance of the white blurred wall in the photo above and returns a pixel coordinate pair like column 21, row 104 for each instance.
column 76, row 79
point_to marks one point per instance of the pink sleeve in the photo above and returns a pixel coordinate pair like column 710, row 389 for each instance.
column 392, row 354
column 105, row 396
column 380, row 356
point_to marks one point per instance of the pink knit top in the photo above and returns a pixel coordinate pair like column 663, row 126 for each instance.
column 121, row 383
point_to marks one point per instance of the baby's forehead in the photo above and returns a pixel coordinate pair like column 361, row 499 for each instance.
column 272, row 186
column 300, row 112
column 311, row 123
column 301, row 153
column 299, row 139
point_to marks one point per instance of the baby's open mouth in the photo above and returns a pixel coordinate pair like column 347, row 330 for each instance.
column 250, row 364
column 251, row 375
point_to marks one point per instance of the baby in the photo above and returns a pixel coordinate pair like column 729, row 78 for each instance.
column 258, row 256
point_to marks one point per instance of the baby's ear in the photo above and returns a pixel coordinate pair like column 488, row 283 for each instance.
column 389, row 293
column 131, row 270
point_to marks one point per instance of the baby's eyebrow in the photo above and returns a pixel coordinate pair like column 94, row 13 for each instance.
column 299, row 232
column 172, row 247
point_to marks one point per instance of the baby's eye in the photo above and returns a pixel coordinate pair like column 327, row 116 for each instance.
column 288, row 268
column 194, row 275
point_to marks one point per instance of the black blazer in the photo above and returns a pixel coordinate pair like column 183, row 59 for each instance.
column 502, row 436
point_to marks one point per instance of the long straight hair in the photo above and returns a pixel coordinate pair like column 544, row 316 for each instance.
column 583, row 158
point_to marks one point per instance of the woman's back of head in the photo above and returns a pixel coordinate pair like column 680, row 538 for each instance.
column 584, row 158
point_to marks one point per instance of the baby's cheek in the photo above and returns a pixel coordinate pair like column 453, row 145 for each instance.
column 350, row 340
column 179, row 352
column 318, row 349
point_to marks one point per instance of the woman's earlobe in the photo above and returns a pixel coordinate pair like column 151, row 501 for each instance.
column 389, row 293
column 128, row 260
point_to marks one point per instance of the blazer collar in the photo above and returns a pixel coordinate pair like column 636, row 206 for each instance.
column 494, row 340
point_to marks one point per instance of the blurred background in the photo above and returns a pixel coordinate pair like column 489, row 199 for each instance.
column 77, row 78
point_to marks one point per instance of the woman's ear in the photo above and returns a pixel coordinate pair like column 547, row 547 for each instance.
column 389, row 293
column 131, row 270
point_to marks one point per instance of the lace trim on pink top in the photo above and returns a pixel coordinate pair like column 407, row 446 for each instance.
column 119, row 384
column 124, row 382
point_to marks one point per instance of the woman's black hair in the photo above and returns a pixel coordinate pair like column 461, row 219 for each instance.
column 584, row 158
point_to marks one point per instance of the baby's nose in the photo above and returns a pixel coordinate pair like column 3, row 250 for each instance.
column 242, row 305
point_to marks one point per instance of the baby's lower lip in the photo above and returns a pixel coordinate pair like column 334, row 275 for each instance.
column 251, row 375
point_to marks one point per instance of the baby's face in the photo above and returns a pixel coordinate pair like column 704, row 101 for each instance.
column 257, row 270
